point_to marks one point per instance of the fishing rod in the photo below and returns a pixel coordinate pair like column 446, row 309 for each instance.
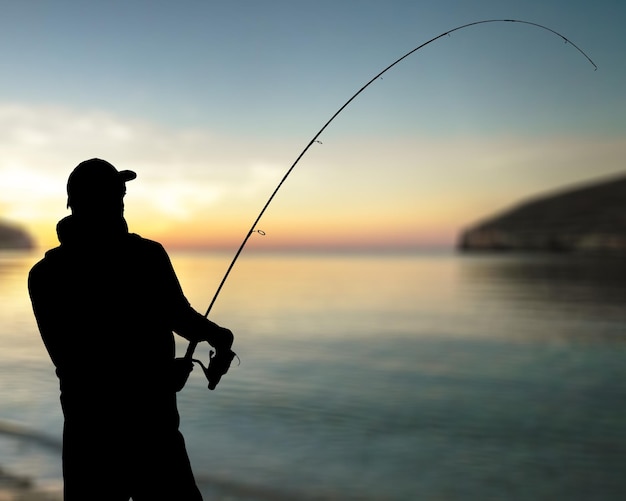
column 253, row 229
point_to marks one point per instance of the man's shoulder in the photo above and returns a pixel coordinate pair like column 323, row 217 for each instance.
column 46, row 266
column 144, row 243
column 146, row 247
column 46, row 261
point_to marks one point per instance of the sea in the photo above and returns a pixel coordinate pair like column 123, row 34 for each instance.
column 364, row 376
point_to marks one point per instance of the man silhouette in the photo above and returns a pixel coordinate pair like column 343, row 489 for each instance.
column 106, row 303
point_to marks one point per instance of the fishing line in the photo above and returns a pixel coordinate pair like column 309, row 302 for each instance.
column 193, row 344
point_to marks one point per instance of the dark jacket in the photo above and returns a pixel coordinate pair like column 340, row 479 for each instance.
column 106, row 303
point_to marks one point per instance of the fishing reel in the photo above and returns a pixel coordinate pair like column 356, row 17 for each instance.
column 218, row 365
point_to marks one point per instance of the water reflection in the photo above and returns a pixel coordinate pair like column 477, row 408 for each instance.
column 411, row 371
column 14, row 267
column 587, row 293
column 18, row 332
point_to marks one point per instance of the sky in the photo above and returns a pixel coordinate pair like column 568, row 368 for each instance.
column 211, row 102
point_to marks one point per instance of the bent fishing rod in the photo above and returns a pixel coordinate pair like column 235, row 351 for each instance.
column 253, row 229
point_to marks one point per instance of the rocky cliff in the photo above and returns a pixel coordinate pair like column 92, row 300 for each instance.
column 585, row 218
column 12, row 237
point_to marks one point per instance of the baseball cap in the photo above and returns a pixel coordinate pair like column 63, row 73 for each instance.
column 94, row 180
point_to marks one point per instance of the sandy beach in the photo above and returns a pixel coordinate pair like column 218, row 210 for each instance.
column 17, row 488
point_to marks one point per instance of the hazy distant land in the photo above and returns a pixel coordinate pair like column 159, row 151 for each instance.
column 589, row 218
column 13, row 237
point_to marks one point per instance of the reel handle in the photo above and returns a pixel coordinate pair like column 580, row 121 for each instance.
column 218, row 366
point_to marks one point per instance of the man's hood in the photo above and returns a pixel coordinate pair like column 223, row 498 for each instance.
column 72, row 230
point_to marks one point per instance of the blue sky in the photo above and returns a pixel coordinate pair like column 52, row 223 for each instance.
column 212, row 101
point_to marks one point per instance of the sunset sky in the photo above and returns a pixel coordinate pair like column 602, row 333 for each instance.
column 211, row 102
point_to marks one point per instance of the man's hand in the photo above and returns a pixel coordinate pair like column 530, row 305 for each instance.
column 218, row 366
column 224, row 340
column 220, row 359
column 180, row 372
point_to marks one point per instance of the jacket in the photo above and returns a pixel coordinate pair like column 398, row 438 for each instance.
column 107, row 303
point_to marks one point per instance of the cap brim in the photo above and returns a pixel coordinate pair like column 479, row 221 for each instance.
column 127, row 175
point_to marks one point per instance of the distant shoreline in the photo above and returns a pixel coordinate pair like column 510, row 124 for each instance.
column 12, row 237
column 581, row 219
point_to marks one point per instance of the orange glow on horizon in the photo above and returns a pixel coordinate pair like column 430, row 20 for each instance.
column 318, row 236
column 314, row 236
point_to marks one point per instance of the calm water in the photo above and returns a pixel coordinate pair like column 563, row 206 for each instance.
column 435, row 377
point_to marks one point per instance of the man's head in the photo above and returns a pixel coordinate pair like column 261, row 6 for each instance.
column 96, row 188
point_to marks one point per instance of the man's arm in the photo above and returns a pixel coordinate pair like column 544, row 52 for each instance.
column 186, row 321
column 46, row 310
column 195, row 327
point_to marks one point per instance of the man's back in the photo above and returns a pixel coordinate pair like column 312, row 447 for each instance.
column 105, row 308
